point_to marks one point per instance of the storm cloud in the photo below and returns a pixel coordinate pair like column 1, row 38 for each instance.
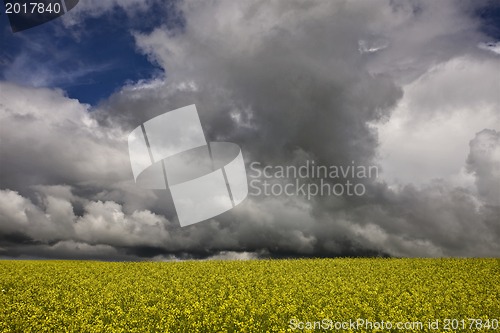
column 403, row 87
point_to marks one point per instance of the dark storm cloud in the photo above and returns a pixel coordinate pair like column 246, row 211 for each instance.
column 288, row 82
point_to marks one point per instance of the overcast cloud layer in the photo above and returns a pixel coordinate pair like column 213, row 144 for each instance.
column 401, row 85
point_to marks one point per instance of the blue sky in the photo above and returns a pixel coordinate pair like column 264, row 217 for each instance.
column 89, row 61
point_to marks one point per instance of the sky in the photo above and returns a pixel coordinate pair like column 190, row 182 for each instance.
column 411, row 87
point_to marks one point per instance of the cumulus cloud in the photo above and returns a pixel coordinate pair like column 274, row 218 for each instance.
column 48, row 138
column 288, row 82
column 484, row 162
column 428, row 133
column 101, row 223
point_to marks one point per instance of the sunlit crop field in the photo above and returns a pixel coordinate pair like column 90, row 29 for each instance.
column 248, row 296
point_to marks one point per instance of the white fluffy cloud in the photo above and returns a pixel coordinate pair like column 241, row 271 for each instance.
column 484, row 161
column 428, row 133
column 101, row 223
column 48, row 138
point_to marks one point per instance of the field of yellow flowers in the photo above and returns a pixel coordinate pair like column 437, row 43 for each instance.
column 251, row 296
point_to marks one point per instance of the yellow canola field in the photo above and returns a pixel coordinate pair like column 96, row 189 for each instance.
column 463, row 295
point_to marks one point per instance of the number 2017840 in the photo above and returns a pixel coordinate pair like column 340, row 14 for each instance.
column 32, row 8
